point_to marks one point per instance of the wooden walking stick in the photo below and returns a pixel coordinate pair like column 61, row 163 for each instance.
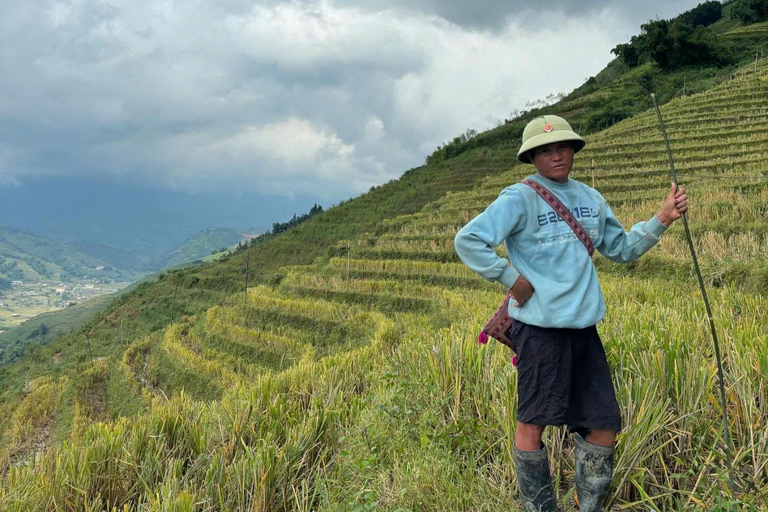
column 721, row 379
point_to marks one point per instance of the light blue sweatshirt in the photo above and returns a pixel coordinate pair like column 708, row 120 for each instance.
column 543, row 249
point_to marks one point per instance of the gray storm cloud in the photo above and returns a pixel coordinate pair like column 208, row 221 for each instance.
column 284, row 98
column 496, row 14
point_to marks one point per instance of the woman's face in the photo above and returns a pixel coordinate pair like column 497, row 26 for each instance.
column 553, row 161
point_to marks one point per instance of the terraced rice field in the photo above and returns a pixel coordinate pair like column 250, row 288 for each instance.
column 754, row 30
column 357, row 383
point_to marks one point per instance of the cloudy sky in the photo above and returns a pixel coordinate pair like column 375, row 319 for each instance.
column 286, row 102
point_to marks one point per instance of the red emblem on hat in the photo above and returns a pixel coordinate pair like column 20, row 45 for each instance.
column 548, row 128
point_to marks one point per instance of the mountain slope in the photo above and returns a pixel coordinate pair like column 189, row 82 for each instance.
column 113, row 256
column 199, row 245
column 46, row 325
column 27, row 257
column 352, row 366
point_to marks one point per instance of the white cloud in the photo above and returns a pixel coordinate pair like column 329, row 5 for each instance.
column 287, row 157
column 374, row 129
column 293, row 142
column 475, row 78
column 280, row 96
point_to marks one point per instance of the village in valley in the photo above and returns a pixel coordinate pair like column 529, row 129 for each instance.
column 27, row 299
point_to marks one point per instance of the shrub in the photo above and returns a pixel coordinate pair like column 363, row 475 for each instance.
column 681, row 41
column 749, row 11
column 704, row 14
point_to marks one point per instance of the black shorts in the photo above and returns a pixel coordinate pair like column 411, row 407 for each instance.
column 563, row 378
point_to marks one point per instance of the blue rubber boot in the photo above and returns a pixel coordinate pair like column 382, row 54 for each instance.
column 536, row 490
column 594, row 469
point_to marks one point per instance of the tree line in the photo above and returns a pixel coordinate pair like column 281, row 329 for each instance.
column 689, row 39
column 279, row 227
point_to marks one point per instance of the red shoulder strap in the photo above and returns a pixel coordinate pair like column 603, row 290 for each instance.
column 563, row 212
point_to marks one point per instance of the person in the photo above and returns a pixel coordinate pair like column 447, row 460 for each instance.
column 563, row 374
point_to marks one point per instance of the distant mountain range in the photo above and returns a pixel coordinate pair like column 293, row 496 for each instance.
column 25, row 256
column 141, row 221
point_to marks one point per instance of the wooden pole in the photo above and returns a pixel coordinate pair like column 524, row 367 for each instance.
column 348, row 251
column 593, row 173
column 691, row 245
column 247, row 261
column 119, row 327
column 90, row 351
column 175, row 289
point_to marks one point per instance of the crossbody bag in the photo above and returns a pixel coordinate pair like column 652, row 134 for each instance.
column 498, row 327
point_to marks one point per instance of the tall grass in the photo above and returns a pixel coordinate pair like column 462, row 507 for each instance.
column 30, row 423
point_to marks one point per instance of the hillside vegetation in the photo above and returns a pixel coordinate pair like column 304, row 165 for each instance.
column 27, row 257
column 618, row 92
column 198, row 246
column 354, row 382
column 46, row 326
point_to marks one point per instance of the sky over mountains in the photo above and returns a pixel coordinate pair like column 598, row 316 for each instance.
column 282, row 103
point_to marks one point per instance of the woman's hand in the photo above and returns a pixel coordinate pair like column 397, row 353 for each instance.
column 521, row 291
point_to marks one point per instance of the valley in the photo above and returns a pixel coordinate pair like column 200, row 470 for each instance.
column 26, row 300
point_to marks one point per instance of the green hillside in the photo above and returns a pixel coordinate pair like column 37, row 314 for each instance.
column 200, row 245
column 39, row 276
column 194, row 247
column 358, row 380
column 27, row 257
column 113, row 256
column 347, row 375
column 21, row 327
column 46, row 327
column 756, row 30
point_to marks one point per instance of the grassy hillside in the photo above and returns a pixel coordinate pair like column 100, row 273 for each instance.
column 48, row 326
column 113, row 256
column 200, row 245
column 755, row 30
column 27, row 257
column 353, row 381
column 182, row 292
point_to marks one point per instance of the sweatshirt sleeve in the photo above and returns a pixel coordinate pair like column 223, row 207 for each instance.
column 624, row 247
column 476, row 241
